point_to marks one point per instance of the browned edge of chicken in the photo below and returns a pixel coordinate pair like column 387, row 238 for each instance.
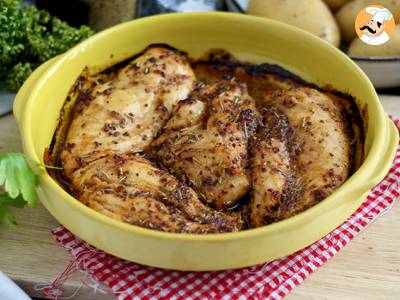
column 270, row 168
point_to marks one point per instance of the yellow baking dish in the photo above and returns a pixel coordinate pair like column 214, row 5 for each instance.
column 250, row 38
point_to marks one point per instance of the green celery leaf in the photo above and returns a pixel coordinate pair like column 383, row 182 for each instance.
column 18, row 177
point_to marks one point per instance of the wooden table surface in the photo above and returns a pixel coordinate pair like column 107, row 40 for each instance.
column 367, row 268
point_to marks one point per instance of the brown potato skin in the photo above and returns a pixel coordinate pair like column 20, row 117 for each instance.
column 311, row 15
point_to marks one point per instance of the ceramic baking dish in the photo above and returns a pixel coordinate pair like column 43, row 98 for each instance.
column 254, row 39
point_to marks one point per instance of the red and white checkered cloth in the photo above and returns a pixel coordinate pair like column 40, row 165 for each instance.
column 272, row 280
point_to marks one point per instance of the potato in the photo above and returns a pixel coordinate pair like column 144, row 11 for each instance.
column 346, row 16
column 334, row 5
column 390, row 48
column 311, row 15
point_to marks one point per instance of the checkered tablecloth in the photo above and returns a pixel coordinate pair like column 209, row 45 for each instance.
column 272, row 280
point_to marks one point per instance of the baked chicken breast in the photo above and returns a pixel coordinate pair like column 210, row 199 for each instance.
column 126, row 113
column 207, row 146
column 305, row 147
column 205, row 142
column 320, row 144
column 301, row 154
column 131, row 189
column 270, row 167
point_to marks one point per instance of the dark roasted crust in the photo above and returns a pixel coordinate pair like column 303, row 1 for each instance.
column 259, row 79
column 81, row 87
column 356, row 119
column 111, row 70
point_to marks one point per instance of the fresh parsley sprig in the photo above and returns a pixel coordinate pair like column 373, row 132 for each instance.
column 19, row 182
column 30, row 36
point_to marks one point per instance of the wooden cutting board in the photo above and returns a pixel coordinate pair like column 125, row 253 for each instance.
column 367, row 268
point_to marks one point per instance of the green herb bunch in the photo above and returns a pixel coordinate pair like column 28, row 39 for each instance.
column 29, row 37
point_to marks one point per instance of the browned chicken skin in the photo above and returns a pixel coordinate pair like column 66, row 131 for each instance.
column 303, row 151
column 270, row 167
column 123, row 116
column 209, row 150
column 129, row 188
column 260, row 79
column 302, row 154
column 126, row 113
column 320, row 144
column 172, row 146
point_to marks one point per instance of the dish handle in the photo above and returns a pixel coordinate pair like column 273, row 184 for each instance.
column 23, row 94
column 386, row 159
